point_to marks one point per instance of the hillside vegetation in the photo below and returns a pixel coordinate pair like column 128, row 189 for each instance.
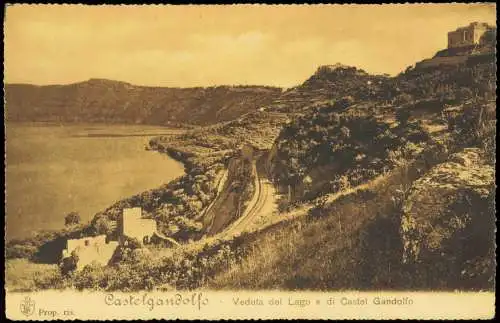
column 106, row 101
column 386, row 183
column 425, row 217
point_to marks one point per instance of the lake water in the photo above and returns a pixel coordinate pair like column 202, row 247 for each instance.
column 52, row 170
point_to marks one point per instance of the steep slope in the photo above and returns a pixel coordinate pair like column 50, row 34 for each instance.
column 425, row 220
column 367, row 128
column 329, row 85
column 355, row 154
column 327, row 140
column 332, row 82
column 334, row 147
column 447, row 222
column 100, row 100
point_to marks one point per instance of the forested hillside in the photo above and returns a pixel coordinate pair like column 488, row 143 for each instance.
column 106, row 101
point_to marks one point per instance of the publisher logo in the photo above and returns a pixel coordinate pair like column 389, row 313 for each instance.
column 27, row 306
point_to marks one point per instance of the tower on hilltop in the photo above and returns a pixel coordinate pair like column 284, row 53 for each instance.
column 468, row 36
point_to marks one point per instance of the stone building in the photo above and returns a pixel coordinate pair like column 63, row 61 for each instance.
column 133, row 225
column 98, row 249
column 467, row 36
column 90, row 249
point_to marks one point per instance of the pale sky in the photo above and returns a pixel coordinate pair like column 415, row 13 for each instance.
column 213, row 45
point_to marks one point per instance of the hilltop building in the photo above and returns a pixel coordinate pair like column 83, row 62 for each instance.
column 465, row 44
column 467, row 36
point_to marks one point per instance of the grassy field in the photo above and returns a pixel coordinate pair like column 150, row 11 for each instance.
column 350, row 243
column 23, row 275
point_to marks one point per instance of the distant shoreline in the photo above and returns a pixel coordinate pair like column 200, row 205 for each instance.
column 101, row 130
column 97, row 124
column 108, row 135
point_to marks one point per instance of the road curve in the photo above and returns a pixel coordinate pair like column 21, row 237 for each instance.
column 220, row 185
column 250, row 208
column 264, row 195
column 221, row 198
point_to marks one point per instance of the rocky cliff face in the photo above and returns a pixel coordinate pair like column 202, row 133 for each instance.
column 100, row 100
column 447, row 225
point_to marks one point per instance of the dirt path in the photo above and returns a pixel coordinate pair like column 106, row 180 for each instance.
column 164, row 237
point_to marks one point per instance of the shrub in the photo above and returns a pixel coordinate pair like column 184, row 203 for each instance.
column 14, row 250
column 132, row 243
column 319, row 209
column 283, row 204
column 69, row 264
column 103, row 225
column 403, row 98
column 91, row 276
column 400, row 195
column 72, row 218
column 402, row 116
column 50, row 279
column 475, row 126
column 344, row 103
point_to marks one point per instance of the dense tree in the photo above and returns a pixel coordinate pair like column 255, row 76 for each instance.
column 69, row 264
column 72, row 218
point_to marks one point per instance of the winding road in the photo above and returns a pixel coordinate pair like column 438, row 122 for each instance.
column 214, row 213
column 261, row 203
column 222, row 179
column 220, row 221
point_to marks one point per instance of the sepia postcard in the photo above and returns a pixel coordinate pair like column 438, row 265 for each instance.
column 250, row 161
